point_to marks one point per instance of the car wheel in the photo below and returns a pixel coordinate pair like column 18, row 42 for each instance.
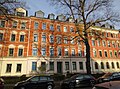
column 22, row 87
column 49, row 87
column 71, row 86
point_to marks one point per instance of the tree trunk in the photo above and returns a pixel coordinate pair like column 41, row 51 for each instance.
column 88, row 66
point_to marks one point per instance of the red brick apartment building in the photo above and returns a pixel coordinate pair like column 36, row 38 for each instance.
column 30, row 43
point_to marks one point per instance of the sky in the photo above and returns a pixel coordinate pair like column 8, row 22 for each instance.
column 44, row 5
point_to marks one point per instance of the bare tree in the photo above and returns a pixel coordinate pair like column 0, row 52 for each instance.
column 89, row 12
column 8, row 6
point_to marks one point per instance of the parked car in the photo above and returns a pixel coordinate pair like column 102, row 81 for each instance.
column 79, row 80
column 108, row 85
column 1, row 83
column 36, row 82
column 109, row 77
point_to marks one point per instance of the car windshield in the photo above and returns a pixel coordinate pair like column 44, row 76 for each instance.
column 106, row 75
column 74, row 76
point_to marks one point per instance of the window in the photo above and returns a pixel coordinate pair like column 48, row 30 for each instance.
column 36, row 24
column 59, row 52
column 13, row 37
column 99, row 44
column 65, row 29
column 118, row 45
column 34, row 66
column 43, row 26
column 51, row 39
column 51, row 27
column 102, row 65
column 51, row 65
column 2, row 23
column 81, row 65
column 74, row 66
column 108, row 43
column 66, row 65
column 43, row 53
column 78, row 41
column 43, row 38
column 73, row 52
column 58, row 28
column 42, row 78
column 1, row 36
column 107, row 65
column 115, row 53
column 84, row 52
column 96, row 65
column 35, row 37
column 20, row 13
column 105, row 53
column 14, row 24
column 21, row 38
column 94, row 53
column 72, row 40
column 34, row 52
column 104, row 43
column 51, row 52
column 111, row 54
column 65, row 40
column 9, row 67
column 11, row 51
column 71, row 29
column 107, row 34
column 20, row 52
column 113, row 44
column 93, row 42
column 118, row 66
column 80, row 53
column 100, row 53
column 59, row 40
column 19, row 67
column 111, row 35
column 66, row 52
column 34, row 79
column 23, row 25
column 103, row 34
column 43, row 65
column 113, row 66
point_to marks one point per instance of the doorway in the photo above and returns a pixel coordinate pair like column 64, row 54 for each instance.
column 59, row 67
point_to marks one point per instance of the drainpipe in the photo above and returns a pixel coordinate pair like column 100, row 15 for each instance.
column 28, row 43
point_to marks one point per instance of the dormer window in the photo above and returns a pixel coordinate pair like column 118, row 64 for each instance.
column 51, row 16
column 20, row 13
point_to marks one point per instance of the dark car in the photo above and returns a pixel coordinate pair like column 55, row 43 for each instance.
column 1, row 83
column 109, row 77
column 108, row 85
column 79, row 80
column 36, row 82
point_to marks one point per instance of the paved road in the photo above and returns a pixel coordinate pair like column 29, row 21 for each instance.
column 10, row 86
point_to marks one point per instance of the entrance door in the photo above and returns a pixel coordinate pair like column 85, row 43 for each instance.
column 59, row 67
